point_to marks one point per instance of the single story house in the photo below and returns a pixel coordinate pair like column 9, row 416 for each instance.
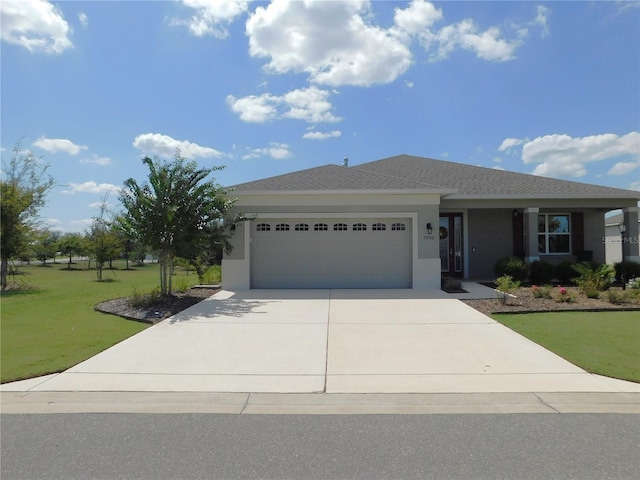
column 405, row 221
column 614, row 238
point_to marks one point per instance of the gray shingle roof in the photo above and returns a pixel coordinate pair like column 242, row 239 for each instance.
column 334, row 177
column 406, row 172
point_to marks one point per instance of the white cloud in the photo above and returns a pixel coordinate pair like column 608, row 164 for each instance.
column 541, row 20
column 418, row 20
column 562, row 155
column 54, row 145
column 409, row 84
column 84, row 20
column 158, row 144
column 487, row 45
column 100, row 204
column 211, row 16
column 623, row 168
column 417, row 17
column 36, row 25
column 331, row 41
column 508, row 143
column 322, row 135
column 308, row 104
column 274, row 150
column 91, row 187
column 103, row 161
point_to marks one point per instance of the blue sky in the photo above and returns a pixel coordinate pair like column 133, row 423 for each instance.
column 264, row 88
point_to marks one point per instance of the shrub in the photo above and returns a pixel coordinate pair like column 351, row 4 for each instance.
column 628, row 270
column 514, row 267
column 592, row 293
column 564, row 272
column 593, row 278
column 139, row 299
column 212, row 276
column 183, row 285
column 617, row 297
column 565, row 296
column 541, row 272
column 634, row 284
column 541, row 292
column 506, row 284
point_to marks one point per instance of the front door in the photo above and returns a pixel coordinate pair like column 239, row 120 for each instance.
column 451, row 260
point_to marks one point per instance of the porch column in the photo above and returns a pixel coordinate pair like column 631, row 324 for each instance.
column 531, row 253
column 630, row 236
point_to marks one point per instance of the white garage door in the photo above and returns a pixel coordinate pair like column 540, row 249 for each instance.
column 331, row 253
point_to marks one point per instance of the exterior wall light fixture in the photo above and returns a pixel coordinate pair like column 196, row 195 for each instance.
column 429, row 228
column 622, row 227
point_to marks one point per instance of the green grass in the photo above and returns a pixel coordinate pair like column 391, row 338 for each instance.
column 606, row 343
column 51, row 325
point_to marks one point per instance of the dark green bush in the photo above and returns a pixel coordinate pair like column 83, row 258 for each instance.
column 541, row 272
column 564, row 272
column 627, row 269
column 514, row 267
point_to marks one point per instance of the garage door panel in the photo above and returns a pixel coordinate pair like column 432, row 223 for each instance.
column 331, row 259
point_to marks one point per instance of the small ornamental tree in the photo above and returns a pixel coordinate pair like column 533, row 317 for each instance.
column 177, row 213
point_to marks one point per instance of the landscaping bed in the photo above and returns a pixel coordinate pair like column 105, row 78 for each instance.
column 157, row 310
column 524, row 301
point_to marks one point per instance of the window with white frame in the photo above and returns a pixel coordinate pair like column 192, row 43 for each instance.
column 554, row 233
column 263, row 227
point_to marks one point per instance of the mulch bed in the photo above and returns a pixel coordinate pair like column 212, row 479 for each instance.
column 525, row 302
column 159, row 310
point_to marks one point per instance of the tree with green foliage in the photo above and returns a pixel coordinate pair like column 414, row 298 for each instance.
column 45, row 245
column 71, row 244
column 179, row 212
column 104, row 241
column 23, row 188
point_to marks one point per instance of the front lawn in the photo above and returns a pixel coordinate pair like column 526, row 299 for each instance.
column 50, row 324
column 606, row 343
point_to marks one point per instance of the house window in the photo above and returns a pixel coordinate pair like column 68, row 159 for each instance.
column 360, row 227
column 398, row 226
column 554, row 233
column 320, row 227
column 378, row 227
column 340, row 227
column 301, row 227
column 263, row 227
column 282, row 227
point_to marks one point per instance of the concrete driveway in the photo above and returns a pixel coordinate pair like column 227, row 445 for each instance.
column 331, row 341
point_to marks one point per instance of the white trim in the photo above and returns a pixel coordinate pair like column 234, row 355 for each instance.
column 423, row 273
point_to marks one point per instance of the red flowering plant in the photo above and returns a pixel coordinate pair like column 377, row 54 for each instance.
column 541, row 292
column 564, row 295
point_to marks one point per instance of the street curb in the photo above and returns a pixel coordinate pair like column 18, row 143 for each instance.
column 317, row 404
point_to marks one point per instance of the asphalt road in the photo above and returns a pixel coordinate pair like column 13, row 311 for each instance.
column 211, row 446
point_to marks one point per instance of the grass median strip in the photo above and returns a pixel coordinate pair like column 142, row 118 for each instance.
column 606, row 343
